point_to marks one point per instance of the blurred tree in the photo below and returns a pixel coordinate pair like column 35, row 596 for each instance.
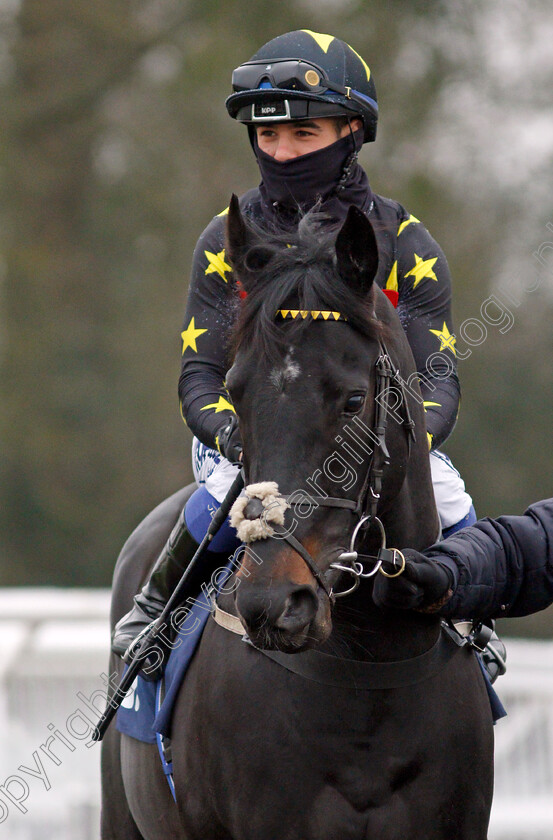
column 61, row 364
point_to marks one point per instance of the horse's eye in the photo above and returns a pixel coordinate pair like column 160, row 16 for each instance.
column 354, row 403
column 234, row 385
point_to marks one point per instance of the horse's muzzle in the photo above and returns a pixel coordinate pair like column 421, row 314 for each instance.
column 282, row 617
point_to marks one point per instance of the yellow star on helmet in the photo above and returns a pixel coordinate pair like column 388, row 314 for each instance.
column 447, row 340
column 216, row 263
column 190, row 335
column 221, row 405
column 422, row 269
column 324, row 41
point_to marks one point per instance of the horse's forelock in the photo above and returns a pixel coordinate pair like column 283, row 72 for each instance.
column 300, row 273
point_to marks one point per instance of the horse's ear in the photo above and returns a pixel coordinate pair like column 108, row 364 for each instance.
column 245, row 250
column 237, row 233
column 357, row 252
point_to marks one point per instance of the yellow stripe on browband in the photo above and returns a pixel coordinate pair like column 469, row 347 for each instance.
column 316, row 314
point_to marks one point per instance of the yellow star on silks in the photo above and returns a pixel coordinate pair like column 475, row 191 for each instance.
column 190, row 335
column 422, row 269
column 217, row 264
column 410, row 221
column 221, row 405
column 447, row 340
column 391, row 282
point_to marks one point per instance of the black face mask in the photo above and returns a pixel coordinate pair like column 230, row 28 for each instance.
column 330, row 175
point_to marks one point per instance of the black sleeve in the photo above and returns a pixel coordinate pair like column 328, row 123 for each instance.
column 424, row 307
column 501, row 567
column 210, row 313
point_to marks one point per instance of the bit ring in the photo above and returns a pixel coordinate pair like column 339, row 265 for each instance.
column 402, row 568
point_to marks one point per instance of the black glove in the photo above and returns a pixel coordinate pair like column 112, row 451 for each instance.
column 230, row 442
column 425, row 585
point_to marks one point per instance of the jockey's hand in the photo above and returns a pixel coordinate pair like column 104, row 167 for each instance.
column 230, row 441
column 424, row 585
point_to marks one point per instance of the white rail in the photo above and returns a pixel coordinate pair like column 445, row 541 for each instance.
column 53, row 649
column 523, row 802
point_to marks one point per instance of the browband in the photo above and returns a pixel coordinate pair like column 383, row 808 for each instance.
column 315, row 314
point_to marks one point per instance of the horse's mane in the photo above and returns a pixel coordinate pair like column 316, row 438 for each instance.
column 294, row 269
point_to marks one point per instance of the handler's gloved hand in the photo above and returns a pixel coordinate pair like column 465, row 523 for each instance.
column 424, row 585
column 230, row 442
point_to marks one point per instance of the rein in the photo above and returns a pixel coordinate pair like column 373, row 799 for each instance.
column 365, row 507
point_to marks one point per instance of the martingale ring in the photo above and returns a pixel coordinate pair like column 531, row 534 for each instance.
column 401, row 569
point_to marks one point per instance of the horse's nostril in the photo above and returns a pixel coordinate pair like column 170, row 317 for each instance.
column 288, row 609
column 299, row 610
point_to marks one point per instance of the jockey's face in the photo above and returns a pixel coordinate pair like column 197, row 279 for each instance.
column 288, row 140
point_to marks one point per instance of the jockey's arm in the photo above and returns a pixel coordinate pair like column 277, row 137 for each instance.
column 424, row 307
column 496, row 568
column 210, row 312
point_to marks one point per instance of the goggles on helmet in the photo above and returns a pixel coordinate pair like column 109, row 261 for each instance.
column 287, row 74
column 291, row 74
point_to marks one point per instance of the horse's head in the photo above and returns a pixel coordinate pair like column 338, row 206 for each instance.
column 318, row 414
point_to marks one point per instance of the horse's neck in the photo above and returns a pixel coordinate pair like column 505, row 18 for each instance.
column 411, row 520
column 408, row 507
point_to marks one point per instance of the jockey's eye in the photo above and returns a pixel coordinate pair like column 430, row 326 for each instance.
column 354, row 403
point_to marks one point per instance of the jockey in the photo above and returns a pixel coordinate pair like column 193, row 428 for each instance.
column 309, row 103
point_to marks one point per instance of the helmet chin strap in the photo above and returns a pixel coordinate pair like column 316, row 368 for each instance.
column 251, row 135
column 350, row 162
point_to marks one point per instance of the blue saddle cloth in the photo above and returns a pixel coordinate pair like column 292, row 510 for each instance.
column 140, row 716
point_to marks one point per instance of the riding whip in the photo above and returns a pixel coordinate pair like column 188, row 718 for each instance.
column 154, row 629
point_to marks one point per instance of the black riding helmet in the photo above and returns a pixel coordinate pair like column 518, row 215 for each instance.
column 304, row 75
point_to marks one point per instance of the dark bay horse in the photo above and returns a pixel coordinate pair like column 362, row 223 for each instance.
column 338, row 720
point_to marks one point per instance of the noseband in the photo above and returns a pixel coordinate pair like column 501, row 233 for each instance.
column 365, row 507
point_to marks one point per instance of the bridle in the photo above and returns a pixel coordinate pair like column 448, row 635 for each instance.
column 365, row 506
